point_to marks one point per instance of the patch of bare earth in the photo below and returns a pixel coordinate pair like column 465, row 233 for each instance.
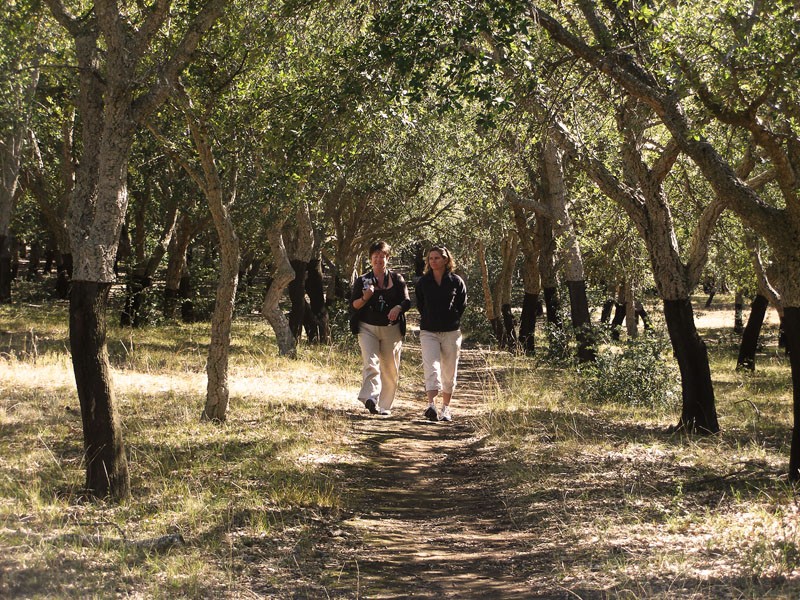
column 424, row 519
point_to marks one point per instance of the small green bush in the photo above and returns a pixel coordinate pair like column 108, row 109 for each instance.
column 639, row 374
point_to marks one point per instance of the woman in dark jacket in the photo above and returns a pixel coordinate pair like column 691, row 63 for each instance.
column 380, row 300
column 441, row 299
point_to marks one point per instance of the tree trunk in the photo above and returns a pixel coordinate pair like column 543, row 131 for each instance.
column 502, row 292
column 552, row 306
column 579, row 309
column 527, row 323
column 531, row 279
column 319, row 327
column 178, row 285
column 791, row 320
column 282, row 274
column 104, row 450
column 297, row 297
column 749, row 343
column 699, row 412
column 631, row 318
column 564, row 232
column 5, row 269
column 509, row 327
column 219, row 347
column 738, row 321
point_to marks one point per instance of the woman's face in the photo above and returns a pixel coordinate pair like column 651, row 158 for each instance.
column 436, row 261
column 379, row 260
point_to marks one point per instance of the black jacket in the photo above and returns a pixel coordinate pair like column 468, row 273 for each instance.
column 375, row 311
column 441, row 306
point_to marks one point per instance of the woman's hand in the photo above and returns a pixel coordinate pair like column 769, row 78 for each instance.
column 394, row 314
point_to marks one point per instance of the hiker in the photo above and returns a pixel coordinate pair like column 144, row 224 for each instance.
column 441, row 299
column 379, row 300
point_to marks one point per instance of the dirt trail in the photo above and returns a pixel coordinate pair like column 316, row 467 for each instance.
column 427, row 521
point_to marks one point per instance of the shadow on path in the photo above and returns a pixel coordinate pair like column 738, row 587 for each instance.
column 427, row 520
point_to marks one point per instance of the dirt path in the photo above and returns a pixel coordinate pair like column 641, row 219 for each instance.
column 427, row 522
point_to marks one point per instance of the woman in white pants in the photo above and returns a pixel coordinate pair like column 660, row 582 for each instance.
column 441, row 299
column 379, row 300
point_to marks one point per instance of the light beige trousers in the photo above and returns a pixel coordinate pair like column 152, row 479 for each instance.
column 380, row 351
column 440, row 352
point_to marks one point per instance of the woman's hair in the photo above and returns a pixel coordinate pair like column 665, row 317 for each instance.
column 380, row 246
column 449, row 261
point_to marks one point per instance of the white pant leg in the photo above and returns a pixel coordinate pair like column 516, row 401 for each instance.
column 431, row 360
column 450, row 344
column 391, row 346
column 371, row 369
column 380, row 353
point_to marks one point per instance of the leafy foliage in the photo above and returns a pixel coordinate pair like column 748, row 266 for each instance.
column 636, row 375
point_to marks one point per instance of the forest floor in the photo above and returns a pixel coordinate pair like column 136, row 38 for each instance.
column 530, row 492
column 425, row 519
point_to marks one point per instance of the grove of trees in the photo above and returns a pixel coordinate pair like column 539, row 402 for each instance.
column 596, row 151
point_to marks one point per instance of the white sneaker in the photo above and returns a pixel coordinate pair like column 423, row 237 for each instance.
column 445, row 415
column 384, row 412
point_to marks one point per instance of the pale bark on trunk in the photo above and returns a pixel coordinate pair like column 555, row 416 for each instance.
column 564, row 232
column 219, row 204
column 282, row 274
column 780, row 227
column 647, row 206
column 111, row 104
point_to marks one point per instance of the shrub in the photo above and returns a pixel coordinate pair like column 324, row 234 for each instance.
column 638, row 374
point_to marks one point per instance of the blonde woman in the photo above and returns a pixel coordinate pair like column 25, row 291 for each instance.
column 441, row 300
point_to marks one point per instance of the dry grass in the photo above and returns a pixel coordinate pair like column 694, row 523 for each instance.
column 633, row 511
column 620, row 507
column 217, row 486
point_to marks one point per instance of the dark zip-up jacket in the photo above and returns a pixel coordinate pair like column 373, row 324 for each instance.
column 441, row 305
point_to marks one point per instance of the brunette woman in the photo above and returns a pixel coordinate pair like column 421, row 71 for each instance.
column 379, row 300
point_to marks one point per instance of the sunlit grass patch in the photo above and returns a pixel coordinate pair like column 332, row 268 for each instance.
column 634, row 510
column 266, row 472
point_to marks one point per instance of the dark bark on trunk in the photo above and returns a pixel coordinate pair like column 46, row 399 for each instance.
column 509, row 327
column 605, row 313
column 297, row 296
column 5, row 269
column 619, row 318
column 581, row 321
column 187, row 305
column 64, row 277
column 34, row 260
column 106, row 461
column 641, row 313
column 136, row 290
column 318, row 330
column 527, row 325
column 499, row 331
column 791, row 321
column 699, row 413
column 749, row 343
column 552, row 306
